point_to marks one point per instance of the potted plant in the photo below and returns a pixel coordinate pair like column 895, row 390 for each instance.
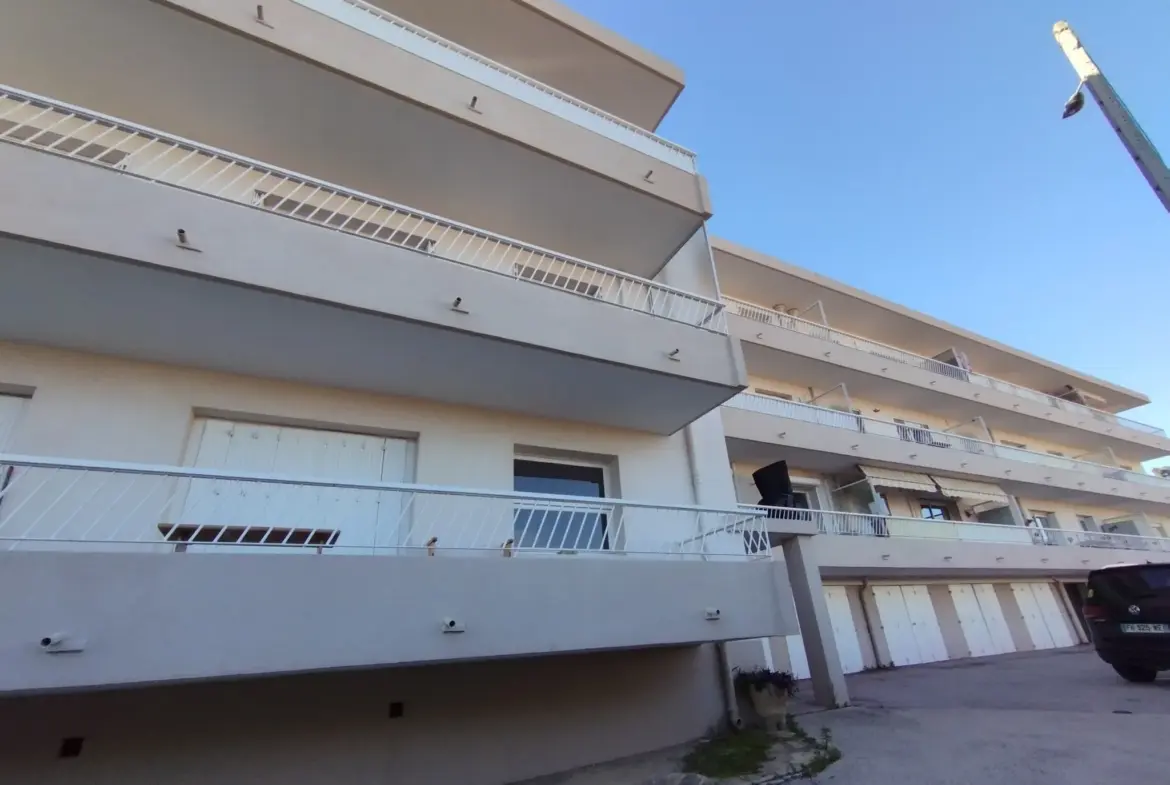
column 769, row 692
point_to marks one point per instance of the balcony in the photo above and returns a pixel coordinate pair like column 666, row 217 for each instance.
column 344, row 92
column 409, row 37
column 114, row 190
column 1017, row 408
column 875, row 546
column 153, row 573
column 559, row 47
column 833, row 440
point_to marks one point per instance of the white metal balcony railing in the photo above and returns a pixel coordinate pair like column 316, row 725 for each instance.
column 405, row 35
column 928, row 437
column 865, row 525
column 66, row 504
column 805, row 327
column 48, row 125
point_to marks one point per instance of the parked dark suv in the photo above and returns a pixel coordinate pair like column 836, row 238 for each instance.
column 1127, row 608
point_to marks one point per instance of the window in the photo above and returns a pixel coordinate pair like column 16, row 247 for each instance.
column 1017, row 445
column 1087, row 523
column 933, row 512
column 560, row 525
column 1042, row 520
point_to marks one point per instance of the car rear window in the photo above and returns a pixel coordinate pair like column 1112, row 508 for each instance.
column 1134, row 581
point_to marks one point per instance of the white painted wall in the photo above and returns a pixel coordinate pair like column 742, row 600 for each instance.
column 87, row 406
column 11, row 410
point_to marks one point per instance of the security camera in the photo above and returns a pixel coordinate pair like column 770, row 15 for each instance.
column 61, row 642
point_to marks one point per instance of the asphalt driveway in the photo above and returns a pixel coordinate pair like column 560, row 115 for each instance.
column 1060, row 717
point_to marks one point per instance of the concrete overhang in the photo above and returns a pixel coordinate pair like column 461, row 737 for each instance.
column 90, row 262
column 555, row 45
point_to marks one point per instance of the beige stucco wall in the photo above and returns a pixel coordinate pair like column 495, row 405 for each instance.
column 480, row 724
column 89, row 406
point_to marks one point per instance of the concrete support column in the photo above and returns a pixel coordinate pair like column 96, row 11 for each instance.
column 812, row 611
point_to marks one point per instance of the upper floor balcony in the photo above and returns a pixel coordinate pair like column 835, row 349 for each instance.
column 344, row 91
column 890, row 546
column 761, row 427
column 399, row 32
column 156, row 247
column 128, row 568
column 810, row 352
column 547, row 41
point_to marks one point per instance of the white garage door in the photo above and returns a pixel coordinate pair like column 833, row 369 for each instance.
column 1001, row 634
column 1043, row 615
column 844, row 633
column 981, row 619
column 1051, row 614
column 271, row 514
column 971, row 620
column 911, row 627
column 844, row 630
column 11, row 409
column 797, row 659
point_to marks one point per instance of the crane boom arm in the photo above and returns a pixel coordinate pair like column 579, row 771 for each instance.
column 1140, row 148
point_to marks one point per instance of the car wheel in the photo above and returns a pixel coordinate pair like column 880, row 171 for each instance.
column 1136, row 673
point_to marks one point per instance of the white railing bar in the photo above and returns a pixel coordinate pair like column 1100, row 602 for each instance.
column 954, row 371
column 454, row 47
column 584, row 504
column 806, row 513
column 1038, row 536
column 307, row 180
column 491, row 547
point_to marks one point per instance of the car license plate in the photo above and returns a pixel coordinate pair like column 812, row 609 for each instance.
column 1146, row 628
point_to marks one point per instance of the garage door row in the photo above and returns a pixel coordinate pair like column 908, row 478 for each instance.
column 909, row 624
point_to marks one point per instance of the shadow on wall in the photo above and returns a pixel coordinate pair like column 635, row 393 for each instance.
column 481, row 723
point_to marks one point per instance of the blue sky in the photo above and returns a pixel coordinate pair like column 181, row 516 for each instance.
column 914, row 148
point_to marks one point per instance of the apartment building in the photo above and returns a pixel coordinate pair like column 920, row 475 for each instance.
column 963, row 488
column 361, row 367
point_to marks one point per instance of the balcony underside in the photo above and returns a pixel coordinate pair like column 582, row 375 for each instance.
column 810, row 362
column 151, row 64
column 757, row 438
column 551, row 43
column 271, row 295
column 77, row 301
column 150, row 618
column 744, row 273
